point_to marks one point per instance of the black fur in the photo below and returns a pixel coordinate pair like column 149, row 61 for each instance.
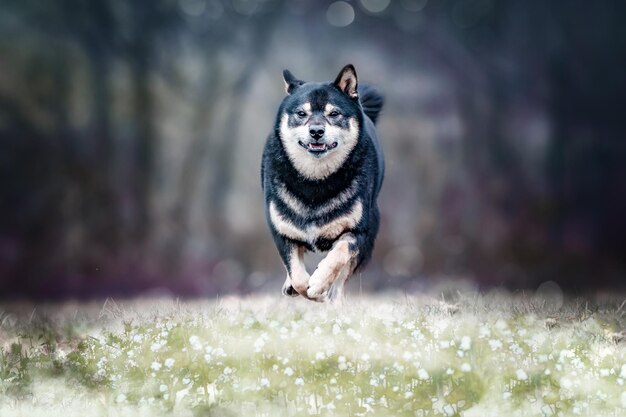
column 363, row 166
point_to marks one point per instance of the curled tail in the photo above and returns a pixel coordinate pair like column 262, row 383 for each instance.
column 371, row 101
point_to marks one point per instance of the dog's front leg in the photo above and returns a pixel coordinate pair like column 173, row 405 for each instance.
column 297, row 280
column 336, row 265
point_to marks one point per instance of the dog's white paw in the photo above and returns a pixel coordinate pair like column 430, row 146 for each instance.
column 289, row 291
column 318, row 290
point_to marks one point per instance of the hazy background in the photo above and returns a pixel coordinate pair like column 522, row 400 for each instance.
column 131, row 134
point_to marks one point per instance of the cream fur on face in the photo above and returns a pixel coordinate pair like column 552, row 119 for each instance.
column 310, row 166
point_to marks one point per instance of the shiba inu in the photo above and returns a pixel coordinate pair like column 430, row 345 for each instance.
column 321, row 172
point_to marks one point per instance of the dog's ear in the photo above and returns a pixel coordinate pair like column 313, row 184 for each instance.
column 291, row 82
column 347, row 82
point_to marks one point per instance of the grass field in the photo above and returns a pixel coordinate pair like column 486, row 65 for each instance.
column 466, row 354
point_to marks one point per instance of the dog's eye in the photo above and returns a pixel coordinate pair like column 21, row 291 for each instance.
column 301, row 113
column 334, row 113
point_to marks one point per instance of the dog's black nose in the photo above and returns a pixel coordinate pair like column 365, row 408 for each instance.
column 316, row 131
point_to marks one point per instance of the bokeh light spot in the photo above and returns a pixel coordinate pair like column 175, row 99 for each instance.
column 245, row 7
column 192, row 7
column 551, row 293
column 403, row 261
column 375, row 6
column 414, row 5
column 340, row 14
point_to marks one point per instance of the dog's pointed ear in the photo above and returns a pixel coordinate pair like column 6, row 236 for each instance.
column 291, row 82
column 347, row 82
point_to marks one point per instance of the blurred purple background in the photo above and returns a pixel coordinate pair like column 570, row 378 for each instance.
column 131, row 134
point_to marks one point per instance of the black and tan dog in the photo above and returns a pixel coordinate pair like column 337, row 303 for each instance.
column 322, row 170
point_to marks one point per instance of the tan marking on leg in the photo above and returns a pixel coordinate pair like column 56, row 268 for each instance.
column 330, row 268
column 299, row 275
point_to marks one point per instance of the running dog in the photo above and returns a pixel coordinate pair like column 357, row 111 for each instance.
column 321, row 172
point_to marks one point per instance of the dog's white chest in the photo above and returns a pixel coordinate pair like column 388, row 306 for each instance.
column 310, row 234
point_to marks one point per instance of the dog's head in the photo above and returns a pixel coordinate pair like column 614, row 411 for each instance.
column 319, row 123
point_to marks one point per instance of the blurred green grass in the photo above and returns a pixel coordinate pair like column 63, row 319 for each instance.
column 467, row 354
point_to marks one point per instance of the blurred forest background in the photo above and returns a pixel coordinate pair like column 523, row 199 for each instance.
column 131, row 134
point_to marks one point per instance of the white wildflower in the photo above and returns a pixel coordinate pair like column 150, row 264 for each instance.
column 155, row 366
column 169, row 362
column 546, row 410
column 422, row 374
column 162, row 387
column 356, row 336
column 501, row 324
column 566, row 353
column 299, row 381
column 466, row 367
column 288, row 371
column 466, row 343
column 565, row 383
column 521, row 375
column 258, row 344
column 265, row 382
column 120, row 398
column 484, row 332
column 495, row 344
column 248, row 322
column 195, row 343
column 228, row 370
column 408, row 394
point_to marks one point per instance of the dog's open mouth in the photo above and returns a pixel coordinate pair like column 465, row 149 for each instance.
column 318, row 148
